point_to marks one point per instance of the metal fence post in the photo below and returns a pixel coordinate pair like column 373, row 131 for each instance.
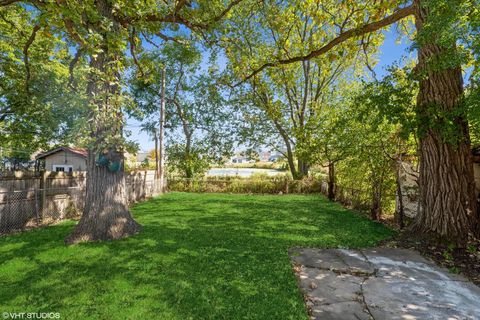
column 36, row 206
column 9, row 209
column 43, row 188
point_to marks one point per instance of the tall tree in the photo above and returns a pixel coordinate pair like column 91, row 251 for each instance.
column 447, row 198
column 199, row 118
column 331, row 139
column 292, row 96
column 101, row 31
column 38, row 103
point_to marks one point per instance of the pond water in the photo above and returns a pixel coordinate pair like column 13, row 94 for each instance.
column 242, row 172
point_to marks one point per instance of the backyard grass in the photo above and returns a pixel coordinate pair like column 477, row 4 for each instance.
column 199, row 256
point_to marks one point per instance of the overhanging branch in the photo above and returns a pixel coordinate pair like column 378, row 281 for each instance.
column 360, row 31
column 26, row 59
column 176, row 18
column 166, row 38
column 133, row 48
column 4, row 3
column 72, row 65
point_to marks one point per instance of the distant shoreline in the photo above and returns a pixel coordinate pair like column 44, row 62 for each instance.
column 244, row 172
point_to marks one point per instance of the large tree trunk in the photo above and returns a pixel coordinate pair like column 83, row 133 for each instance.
column 400, row 210
column 446, row 181
column 302, row 169
column 291, row 162
column 331, row 181
column 376, row 207
column 105, row 215
column 288, row 145
column 188, row 160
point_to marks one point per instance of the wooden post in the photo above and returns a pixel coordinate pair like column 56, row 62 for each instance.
column 36, row 206
column 161, row 165
column 43, row 189
column 157, row 159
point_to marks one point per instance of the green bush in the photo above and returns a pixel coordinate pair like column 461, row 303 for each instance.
column 257, row 183
column 359, row 198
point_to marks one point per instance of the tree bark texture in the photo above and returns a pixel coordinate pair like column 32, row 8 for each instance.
column 447, row 187
column 331, row 181
column 288, row 145
column 376, row 207
column 400, row 212
column 106, row 215
column 302, row 169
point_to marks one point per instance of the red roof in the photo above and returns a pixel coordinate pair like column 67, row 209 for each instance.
column 78, row 151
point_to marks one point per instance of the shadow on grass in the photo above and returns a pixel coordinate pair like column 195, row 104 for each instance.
column 198, row 257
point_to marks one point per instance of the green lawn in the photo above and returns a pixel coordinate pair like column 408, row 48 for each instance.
column 199, row 256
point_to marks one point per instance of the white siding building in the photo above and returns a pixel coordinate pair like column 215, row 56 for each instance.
column 64, row 159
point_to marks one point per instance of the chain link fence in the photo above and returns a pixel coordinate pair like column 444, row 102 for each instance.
column 353, row 198
column 25, row 209
column 30, row 208
column 35, row 206
column 258, row 185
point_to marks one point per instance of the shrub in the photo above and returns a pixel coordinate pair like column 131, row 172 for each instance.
column 257, row 183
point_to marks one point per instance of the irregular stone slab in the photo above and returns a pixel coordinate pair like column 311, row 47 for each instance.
column 356, row 261
column 405, row 263
column 401, row 298
column 327, row 287
column 338, row 311
column 382, row 283
column 326, row 259
column 332, row 259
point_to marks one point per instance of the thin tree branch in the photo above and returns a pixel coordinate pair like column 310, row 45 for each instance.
column 70, row 28
column 166, row 38
column 174, row 18
column 360, row 31
column 72, row 65
column 12, row 24
column 26, row 58
column 4, row 113
column 180, row 4
column 133, row 48
column 4, row 3
column 365, row 43
column 223, row 13
column 147, row 38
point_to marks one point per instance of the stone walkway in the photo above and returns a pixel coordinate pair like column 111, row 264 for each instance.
column 381, row 283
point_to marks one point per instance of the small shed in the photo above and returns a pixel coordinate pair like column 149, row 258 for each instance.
column 64, row 159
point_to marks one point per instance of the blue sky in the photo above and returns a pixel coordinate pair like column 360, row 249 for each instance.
column 390, row 52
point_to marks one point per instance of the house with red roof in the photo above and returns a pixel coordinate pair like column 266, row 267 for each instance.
column 64, row 159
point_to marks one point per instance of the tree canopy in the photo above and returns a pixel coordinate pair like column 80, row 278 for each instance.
column 300, row 72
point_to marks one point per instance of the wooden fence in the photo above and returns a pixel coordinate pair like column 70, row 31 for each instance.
column 29, row 199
